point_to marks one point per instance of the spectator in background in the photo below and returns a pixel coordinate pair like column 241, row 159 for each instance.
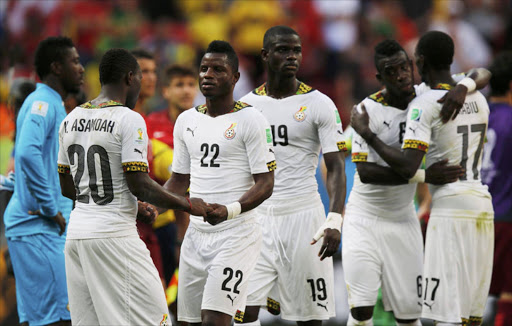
column 147, row 65
column 497, row 174
column 35, row 218
column 179, row 88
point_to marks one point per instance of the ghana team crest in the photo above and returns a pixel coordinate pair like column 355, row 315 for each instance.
column 301, row 114
column 230, row 132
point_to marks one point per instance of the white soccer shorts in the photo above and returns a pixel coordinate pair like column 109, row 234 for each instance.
column 113, row 281
column 215, row 268
column 383, row 253
column 289, row 269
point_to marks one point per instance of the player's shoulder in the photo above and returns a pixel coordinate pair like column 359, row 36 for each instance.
column 375, row 101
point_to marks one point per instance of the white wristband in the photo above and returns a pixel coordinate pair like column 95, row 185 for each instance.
column 333, row 221
column 419, row 177
column 234, row 209
column 469, row 83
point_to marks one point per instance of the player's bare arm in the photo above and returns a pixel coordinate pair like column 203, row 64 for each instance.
column 438, row 173
column 454, row 99
column 405, row 163
column 261, row 190
column 146, row 213
column 144, row 188
column 336, row 188
column 67, row 187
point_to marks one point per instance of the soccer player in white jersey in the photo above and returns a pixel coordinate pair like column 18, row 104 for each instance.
column 303, row 121
column 223, row 151
column 382, row 241
column 103, row 167
column 459, row 243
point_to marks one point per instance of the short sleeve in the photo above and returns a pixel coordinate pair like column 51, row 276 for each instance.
column 62, row 158
column 418, row 130
column 330, row 130
column 134, row 140
column 181, row 158
column 360, row 149
column 259, row 145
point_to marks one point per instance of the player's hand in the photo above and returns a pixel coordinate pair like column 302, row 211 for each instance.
column 330, row 231
column 218, row 214
column 332, row 239
column 199, row 207
column 452, row 101
column 7, row 182
column 146, row 213
column 360, row 121
column 440, row 173
column 59, row 219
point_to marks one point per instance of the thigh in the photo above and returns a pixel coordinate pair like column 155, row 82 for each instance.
column 39, row 269
column 362, row 263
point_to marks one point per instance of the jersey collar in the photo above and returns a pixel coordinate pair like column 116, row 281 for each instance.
column 303, row 89
column 443, row 86
column 89, row 105
column 237, row 107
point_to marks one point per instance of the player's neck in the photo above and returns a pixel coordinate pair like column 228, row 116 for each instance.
column 219, row 105
column 435, row 77
column 281, row 87
column 399, row 102
column 54, row 83
column 110, row 93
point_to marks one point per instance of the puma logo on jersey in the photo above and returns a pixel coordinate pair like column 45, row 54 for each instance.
column 138, row 151
column 413, row 130
column 323, row 306
column 387, row 124
column 232, row 299
column 191, row 131
column 271, row 150
column 339, row 132
column 358, row 143
column 429, row 305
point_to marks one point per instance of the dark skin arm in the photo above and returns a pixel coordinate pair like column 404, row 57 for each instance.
column 405, row 163
column 438, row 173
column 261, row 190
column 146, row 189
column 179, row 184
column 67, row 187
column 454, row 98
column 336, row 188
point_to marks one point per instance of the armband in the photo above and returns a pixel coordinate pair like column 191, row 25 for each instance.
column 469, row 83
column 333, row 221
column 234, row 209
column 419, row 177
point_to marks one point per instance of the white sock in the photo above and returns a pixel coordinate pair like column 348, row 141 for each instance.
column 354, row 322
column 254, row 323
column 417, row 322
column 440, row 323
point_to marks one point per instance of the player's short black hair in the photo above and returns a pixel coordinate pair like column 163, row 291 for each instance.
column 142, row 54
column 173, row 71
column 275, row 31
column 501, row 69
column 437, row 48
column 51, row 50
column 115, row 64
column 226, row 48
column 386, row 49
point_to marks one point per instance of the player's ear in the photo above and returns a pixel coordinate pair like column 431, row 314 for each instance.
column 129, row 78
column 56, row 67
column 236, row 77
column 378, row 76
column 264, row 54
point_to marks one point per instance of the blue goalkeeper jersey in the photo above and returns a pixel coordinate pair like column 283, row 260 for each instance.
column 37, row 184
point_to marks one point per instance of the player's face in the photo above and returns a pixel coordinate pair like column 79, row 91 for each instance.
column 72, row 75
column 395, row 72
column 216, row 77
column 148, row 68
column 284, row 55
column 181, row 92
column 134, row 89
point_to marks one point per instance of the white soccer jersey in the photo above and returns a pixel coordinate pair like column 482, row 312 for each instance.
column 96, row 145
column 301, row 125
column 460, row 140
column 388, row 123
column 222, row 153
